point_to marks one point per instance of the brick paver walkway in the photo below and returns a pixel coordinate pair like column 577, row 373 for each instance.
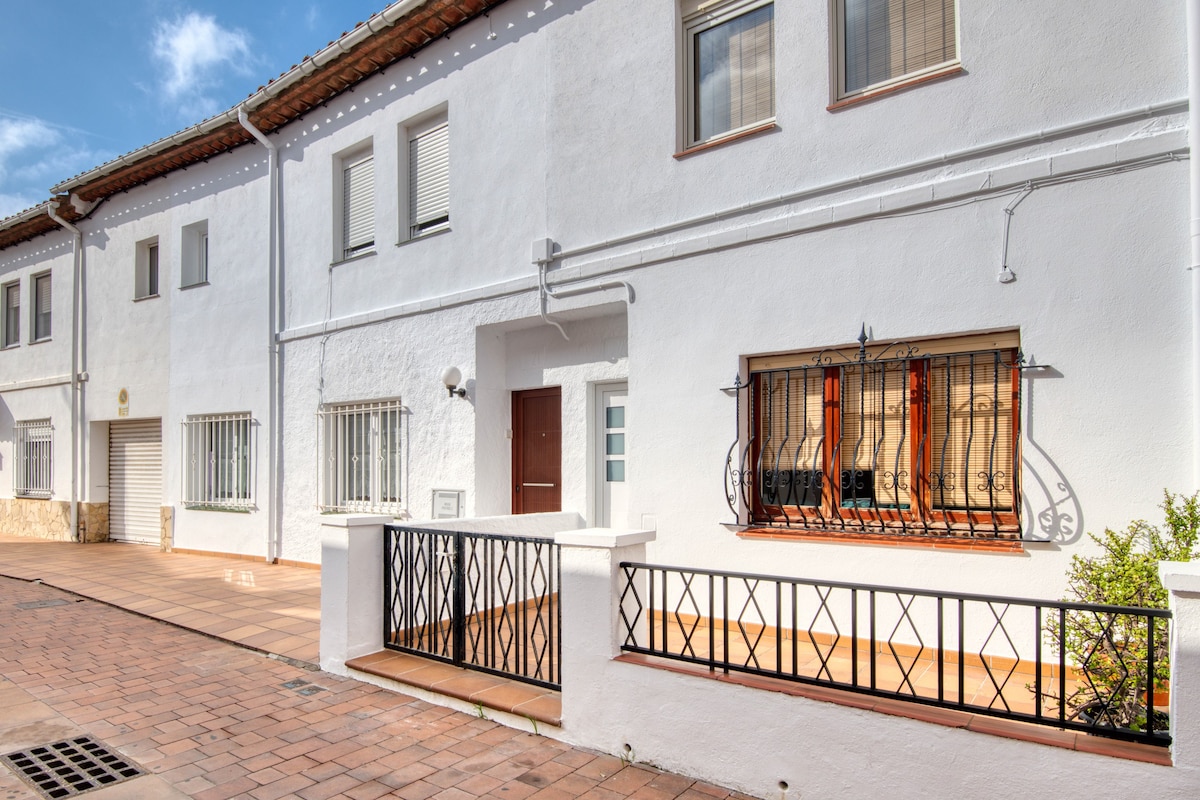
column 212, row 720
column 269, row 607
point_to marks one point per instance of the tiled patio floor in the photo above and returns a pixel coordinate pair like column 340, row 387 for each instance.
column 268, row 607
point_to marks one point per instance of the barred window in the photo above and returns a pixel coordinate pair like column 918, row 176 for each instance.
column 218, row 469
column 902, row 438
column 363, row 446
column 33, row 454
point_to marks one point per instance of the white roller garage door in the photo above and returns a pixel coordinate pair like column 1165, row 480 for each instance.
column 135, row 480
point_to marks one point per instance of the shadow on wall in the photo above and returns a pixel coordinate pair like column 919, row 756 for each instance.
column 1050, row 506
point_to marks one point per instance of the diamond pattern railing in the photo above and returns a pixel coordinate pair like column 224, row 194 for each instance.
column 482, row 601
column 997, row 656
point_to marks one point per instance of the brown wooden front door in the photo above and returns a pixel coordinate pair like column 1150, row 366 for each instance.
column 537, row 450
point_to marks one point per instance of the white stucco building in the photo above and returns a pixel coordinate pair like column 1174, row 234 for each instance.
column 647, row 236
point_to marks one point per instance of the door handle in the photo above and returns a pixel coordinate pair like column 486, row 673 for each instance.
column 540, row 485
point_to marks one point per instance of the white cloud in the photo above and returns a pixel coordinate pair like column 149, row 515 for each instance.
column 196, row 53
column 17, row 134
column 34, row 154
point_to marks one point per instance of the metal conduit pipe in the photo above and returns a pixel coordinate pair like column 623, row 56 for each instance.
column 1193, row 50
column 76, row 439
column 274, row 303
column 980, row 151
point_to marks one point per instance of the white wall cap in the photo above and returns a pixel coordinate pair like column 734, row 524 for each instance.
column 603, row 537
column 1180, row 577
column 355, row 520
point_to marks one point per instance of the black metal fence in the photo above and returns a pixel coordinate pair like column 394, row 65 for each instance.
column 1068, row 665
column 482, row 601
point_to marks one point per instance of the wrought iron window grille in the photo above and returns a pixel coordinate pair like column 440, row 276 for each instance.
column 886, row 439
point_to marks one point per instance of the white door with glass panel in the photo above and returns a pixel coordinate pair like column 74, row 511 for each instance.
column 612, row 473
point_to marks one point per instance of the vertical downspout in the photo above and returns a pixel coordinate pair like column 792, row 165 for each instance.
column 273, row 440
column 76, row 438
column 1193, row 51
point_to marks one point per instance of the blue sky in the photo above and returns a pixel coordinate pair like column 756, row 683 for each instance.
column 88, row 81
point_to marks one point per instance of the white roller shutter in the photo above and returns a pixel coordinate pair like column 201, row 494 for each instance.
column 429, row 179
column 358, row 206
column 135, row 481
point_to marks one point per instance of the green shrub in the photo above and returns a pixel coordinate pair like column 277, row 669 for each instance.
column 1109, row 649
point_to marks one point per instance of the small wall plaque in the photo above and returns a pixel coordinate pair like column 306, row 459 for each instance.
column 448, row 503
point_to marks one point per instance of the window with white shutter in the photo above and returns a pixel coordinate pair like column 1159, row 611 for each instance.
column 41, row 307
column 33, row 454
column 429, row 176
column 12, row 315
column 363, row 446
column 218, row 468
column 145, row 274
column 358, row 204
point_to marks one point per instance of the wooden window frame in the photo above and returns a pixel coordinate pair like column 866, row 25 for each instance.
column 922, row 516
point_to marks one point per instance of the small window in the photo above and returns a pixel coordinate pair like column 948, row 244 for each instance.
column 42, row 303
column 145, row 282
column 358, row 204
column 729, row 58
column 363, row 452
column 219, row 461
column 12, row 314
column 879, row 43
column 33, row 454
column 194, row 256
column 429, row 176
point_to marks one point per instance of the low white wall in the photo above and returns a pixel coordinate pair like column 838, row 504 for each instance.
column 756, row 740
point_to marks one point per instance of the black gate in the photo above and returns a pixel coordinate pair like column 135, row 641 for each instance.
column 483, row 601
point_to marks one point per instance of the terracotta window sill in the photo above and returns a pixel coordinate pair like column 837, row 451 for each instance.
column 888, row 540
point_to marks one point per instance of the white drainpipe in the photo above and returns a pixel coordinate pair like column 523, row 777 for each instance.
column 274, row 303
column 76, row 438
column 1193, row 48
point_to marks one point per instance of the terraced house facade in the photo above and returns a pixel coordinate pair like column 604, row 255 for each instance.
column 892, row 293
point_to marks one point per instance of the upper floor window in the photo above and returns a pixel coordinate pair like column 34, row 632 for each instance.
column 902, row 438
column 729, row 67
column 219, row 461
column 145, row 278
column 193, row 263
column 42, row 306
column 879, row 43
column 358, row 204
column 363, row 446
column 12, row 315
column 429, row 176
column 33, row 454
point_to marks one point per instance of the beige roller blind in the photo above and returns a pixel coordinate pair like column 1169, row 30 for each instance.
column 971, row 433
column 876, row 437
column 885, row 39
column 792, row 434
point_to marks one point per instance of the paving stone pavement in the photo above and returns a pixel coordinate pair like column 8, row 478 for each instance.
column 210, row 720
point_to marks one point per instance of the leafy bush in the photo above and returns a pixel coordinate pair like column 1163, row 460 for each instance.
column 1110, row 650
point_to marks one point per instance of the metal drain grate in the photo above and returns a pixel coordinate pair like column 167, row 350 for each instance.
column 70, row 767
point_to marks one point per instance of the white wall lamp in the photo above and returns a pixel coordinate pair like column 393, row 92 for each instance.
column 451, row 378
